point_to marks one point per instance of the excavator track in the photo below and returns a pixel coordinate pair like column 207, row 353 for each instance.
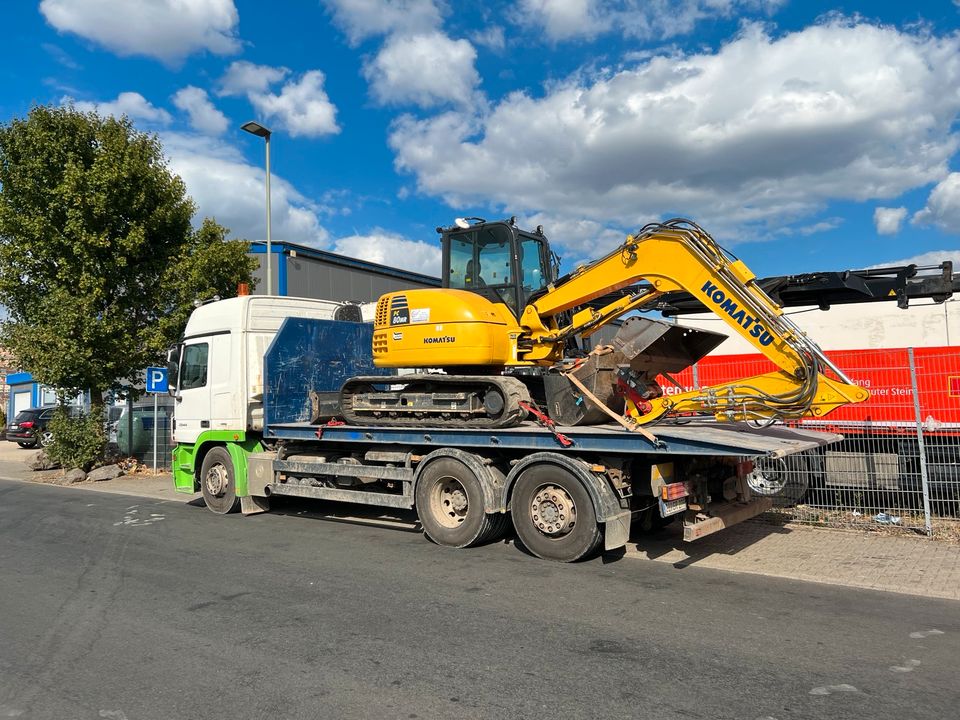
column 465, row 401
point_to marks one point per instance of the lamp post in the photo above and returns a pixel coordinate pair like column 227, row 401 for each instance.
column 255, row 128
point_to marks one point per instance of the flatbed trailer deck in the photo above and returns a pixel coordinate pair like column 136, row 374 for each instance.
column 693, row 438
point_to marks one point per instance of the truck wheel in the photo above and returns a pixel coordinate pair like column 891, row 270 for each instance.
column 217, row 482
column 553, row 514
column 785, row 479
column 449, row 501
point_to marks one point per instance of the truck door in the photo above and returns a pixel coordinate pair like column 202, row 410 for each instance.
column 193, row 391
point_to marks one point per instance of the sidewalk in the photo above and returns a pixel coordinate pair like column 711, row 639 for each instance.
column 909, row 565
column 913, row 566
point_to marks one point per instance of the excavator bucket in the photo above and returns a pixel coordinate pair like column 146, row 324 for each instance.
column 647, row 347
column 654, row 346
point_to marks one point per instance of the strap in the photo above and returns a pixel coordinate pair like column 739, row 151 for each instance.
column 630, row 427
column 331, row 423
column 544, row 420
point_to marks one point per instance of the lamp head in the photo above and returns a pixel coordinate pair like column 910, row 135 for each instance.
column 255, row 128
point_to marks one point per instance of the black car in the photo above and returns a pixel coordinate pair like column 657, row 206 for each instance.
column 30, row 427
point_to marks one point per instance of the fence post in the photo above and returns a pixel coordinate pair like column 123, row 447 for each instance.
column 696, row 377
column 923, row 453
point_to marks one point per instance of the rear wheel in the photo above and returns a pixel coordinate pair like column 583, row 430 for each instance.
column 449, row 501
column 554, row 515
column 26, row 444
column 217, row 482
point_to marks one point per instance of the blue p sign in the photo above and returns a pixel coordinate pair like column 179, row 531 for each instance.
column 156, row 380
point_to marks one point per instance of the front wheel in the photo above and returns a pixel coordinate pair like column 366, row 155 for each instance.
column 553, row 514
column 217, row 482
column 46, row 438
column 449, row 501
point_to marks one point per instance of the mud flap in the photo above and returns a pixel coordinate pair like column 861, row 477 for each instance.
column 616, row 531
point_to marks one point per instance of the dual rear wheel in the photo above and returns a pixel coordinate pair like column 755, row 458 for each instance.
column 552, row 513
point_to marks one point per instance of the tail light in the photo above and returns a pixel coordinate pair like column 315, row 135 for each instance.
column 673, row 491
column 26, row 425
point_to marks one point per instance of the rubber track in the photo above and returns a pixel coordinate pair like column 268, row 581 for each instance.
column 514, row 392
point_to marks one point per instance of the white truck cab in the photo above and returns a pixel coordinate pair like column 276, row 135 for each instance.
column 218, row 366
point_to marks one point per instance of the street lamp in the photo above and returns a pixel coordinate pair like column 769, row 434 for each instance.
column 255, row 128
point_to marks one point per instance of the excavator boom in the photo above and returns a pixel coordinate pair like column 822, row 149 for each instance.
column 679, row 255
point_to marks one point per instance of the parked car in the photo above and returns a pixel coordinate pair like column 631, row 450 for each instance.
column 31, row 427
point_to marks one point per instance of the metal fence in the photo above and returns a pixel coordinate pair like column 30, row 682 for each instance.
column 898, row 464
column 135, row 434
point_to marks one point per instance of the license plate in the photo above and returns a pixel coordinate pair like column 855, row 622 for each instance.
column 672, row 507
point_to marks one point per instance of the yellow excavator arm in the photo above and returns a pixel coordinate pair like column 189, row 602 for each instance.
column 680, row 255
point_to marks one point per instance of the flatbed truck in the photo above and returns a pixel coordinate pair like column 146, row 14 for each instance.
column 254, row 380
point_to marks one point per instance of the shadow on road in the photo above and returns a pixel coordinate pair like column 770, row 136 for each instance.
column 668, row 543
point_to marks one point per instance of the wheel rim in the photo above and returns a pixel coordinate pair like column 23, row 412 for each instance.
column 769, row 479
column 448, row 502
column 46, row 438
column 553, row 511
column 216, row 480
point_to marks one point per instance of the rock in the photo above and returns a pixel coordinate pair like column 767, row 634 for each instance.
column 107, row 472
column 76, row 475
column 41, row 461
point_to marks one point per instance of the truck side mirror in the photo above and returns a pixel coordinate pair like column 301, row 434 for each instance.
column 173, row 370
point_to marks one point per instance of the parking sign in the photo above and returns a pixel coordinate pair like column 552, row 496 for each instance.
column 156, row 380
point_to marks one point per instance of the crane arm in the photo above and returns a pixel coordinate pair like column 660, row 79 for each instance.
column 678, row 255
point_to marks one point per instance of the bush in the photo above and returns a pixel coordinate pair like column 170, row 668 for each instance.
column 78, row 441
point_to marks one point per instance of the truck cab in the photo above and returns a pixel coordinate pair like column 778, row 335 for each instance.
column 216, row 371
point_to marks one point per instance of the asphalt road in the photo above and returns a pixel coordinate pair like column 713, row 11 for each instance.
column 120, row 607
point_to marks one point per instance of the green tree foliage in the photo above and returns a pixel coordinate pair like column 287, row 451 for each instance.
column 77, row 441
column 99, row 264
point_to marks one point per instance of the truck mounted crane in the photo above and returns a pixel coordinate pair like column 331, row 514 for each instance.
column 502, row 324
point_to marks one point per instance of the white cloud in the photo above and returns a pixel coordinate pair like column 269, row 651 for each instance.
column 302, row 106
column 243, row 77
column 490, row 37
column 168, row 30
column 427, row 69
column 361, row 19
column 762, row 133
column 204, row 117
column 132, row 104
column 386, row 248
column 888, row 220
column 943, row 205
column 231, row 190
column 933, row 257
column 569, row 19
column 564, row 19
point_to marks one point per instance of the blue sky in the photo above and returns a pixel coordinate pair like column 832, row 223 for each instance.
column 803, row 135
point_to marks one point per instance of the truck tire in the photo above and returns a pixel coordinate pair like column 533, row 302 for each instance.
column 785, row 479
column 553, row 514
column 449, row 501
column 217, row 482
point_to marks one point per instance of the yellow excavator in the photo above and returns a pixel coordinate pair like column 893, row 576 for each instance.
column 499, row 338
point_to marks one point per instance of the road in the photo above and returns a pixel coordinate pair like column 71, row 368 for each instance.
column 121, row 607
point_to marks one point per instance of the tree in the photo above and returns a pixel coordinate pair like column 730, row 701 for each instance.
column 99, row 264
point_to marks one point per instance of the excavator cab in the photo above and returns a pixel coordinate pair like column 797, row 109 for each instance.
column 496, row 260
